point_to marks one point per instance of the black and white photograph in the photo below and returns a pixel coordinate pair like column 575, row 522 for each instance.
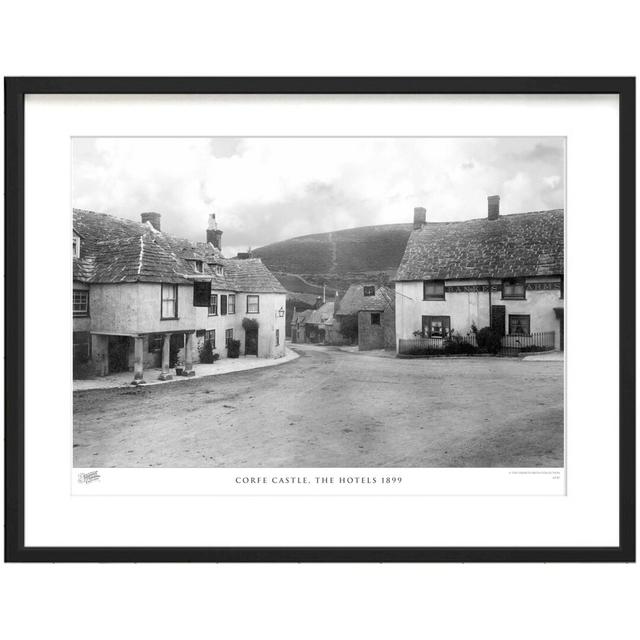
column 318, row 302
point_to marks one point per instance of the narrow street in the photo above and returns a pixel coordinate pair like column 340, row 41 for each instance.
column 329, row 408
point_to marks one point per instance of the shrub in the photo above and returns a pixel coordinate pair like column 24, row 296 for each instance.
column 423, row 351
column 207, row 354
column 233, row 349
column 489, row 340
column 534, row 348
column 457, row 346
column 250, row 324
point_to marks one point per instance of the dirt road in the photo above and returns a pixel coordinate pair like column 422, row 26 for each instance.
column 333, row 409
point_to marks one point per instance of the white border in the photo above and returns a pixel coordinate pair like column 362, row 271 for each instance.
column 587, row 516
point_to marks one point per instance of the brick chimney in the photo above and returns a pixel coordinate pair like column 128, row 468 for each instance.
column 214, row 235
column 494, row 207
column 419, row 217
column 152, row 217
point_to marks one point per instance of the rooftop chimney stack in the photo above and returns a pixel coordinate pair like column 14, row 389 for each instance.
column 153, row 218
column 214, row 235
column 494, row 207
column 419, row 217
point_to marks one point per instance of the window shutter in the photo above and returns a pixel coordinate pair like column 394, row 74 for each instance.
column 201, row 293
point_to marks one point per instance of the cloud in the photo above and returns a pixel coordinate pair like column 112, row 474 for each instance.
column 226, row 147
column 269, row 189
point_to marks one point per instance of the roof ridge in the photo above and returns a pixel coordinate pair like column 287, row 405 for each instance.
column 502, row 216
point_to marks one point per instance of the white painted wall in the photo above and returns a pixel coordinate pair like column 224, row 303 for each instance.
column 134, row 308
column 467, row 308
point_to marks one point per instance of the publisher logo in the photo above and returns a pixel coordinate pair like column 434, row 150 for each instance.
column 88, row 477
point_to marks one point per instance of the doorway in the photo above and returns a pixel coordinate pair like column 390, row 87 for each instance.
column 119, row 349
column 251, row 342
column 498, row 319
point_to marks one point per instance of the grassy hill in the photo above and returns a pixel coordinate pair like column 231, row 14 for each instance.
column 337, row 258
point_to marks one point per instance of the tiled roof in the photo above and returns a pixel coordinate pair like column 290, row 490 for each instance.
column 354, row 300
column 523, row 244
column 321, row 314
column 118, row 250
column 300, row 317
column 251, row 276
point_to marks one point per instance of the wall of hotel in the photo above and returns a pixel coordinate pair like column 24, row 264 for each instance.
column 82, row 323
column 134, row 308
column 130, row 308
column 473, row 306
column 268, row 319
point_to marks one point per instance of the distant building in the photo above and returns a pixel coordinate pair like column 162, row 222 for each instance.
column 140, row 295
column 374, row 307
column 298, row 325
column 314, row 325
column 503, row 271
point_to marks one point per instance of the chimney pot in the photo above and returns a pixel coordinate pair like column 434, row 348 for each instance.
column 214, row 235
column 419, row 217
column 152, row 217
column 494, row 207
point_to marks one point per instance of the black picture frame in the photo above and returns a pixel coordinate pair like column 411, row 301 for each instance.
column 15, row 91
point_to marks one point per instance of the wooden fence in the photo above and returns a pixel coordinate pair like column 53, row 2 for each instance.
column 544, row 341
column 510, row 345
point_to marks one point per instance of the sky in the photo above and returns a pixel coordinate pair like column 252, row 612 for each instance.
column 267, row 189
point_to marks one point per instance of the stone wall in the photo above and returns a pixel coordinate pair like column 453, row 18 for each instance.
column 376, row 336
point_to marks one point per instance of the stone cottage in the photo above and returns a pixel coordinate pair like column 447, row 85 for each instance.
column 502, row 271
column 315, row 325
column 374, row 307
column 140, row 294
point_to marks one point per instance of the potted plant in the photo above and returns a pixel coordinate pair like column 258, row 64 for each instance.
column 233, row 349
column 207, row 354
column 179, row 367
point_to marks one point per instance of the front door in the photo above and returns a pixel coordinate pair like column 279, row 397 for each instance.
column 119, row 347
column 176, row 342
column 251, row 343
column 498, row 319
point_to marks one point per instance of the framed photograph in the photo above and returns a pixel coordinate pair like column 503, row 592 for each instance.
column 320, row 319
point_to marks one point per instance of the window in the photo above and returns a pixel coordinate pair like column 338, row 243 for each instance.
column 223, row 305
column 436, row 326
column 375, row 318
column 513, row 289
column 81, row 346
column 169, row 309
column 228, row 337
column 253, row 304
column 561, row 287
column 76, row 246
column 231, row 306
column 156, row 340
column 217, row 269
column 210, row 337
column 199, row 267
column 369, row 291
column 434, row 290
column 519, row 325
column 277, row 337
column 213, row 304
column 80, row 303
column 201, row 293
